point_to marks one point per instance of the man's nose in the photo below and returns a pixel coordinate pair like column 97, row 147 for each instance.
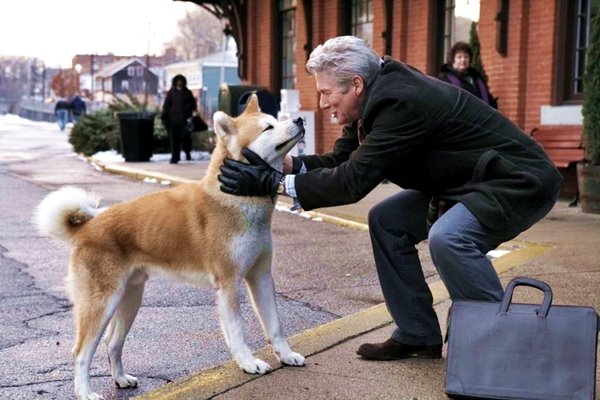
column 299, row 121
column 323, row 104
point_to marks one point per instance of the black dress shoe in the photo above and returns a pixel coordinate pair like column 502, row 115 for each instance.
column 173, row 161
column 392, row 350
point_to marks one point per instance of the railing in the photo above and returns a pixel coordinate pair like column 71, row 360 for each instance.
column 36, row 110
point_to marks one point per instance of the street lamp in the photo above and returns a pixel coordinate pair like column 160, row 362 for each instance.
column 78, row 68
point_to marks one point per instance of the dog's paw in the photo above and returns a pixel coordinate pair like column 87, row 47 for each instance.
column 126, row 381
column 292, row 359
column 256, row 366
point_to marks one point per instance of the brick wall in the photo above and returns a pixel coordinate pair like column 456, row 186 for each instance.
column 523, row 79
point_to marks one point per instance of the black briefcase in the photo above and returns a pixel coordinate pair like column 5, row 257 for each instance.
column 505, row 350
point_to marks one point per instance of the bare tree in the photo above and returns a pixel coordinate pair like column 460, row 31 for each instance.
column 200, row 33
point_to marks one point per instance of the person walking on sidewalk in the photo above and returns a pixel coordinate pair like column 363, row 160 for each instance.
column 438, row 143
column 78, row 109
column 61, row 112
column 179, row 105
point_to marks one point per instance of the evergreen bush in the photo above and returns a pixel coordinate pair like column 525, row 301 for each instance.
column 475, row 49
column 591, row 95
column 97, row 131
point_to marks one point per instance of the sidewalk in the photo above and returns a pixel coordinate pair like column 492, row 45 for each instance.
column 563, row 250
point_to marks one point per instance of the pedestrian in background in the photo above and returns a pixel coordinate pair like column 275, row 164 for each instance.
column 432, row 140
column 458, row 71
column 179, row 105
column 78, row 109
column 61, row 112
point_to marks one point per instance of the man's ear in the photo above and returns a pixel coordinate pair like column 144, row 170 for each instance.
column 223, row 124
column 358, row 85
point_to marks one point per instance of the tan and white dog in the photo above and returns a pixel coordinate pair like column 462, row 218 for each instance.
column 193, row 232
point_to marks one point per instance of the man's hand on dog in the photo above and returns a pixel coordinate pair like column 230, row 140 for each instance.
column 255, row 179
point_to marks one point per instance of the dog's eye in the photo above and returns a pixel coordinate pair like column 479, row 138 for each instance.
column 267, row 128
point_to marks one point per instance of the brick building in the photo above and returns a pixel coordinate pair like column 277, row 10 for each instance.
column 533, row 51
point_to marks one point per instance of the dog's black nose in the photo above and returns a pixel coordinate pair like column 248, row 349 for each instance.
column 299, row 121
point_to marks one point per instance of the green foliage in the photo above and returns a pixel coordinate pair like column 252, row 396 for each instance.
column 475, row 48
column 95, row 132
column 591, row 95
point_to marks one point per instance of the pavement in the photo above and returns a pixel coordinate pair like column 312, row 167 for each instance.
column 562, row 250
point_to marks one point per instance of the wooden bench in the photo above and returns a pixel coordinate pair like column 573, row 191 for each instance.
column 562, row 143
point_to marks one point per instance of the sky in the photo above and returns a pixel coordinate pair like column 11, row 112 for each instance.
column 57, row 30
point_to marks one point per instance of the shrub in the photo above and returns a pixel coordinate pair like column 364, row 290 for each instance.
column 95, row 132
column 591, row 95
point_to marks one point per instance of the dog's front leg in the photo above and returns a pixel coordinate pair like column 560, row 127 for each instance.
column 262, row 291
column 233, row 330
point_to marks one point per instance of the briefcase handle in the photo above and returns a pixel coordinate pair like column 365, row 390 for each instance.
column 534, row 283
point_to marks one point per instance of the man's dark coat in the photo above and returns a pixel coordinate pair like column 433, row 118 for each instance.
column 428, row 135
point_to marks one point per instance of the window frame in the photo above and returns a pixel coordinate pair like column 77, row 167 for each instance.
column 355, row 16
column 288, row 78
column 569, row 45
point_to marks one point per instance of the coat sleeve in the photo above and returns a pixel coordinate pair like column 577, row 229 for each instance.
column 342, row 148
column 164, row 116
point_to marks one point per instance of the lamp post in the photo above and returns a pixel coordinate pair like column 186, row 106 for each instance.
column 78, row 68
column 92, row 76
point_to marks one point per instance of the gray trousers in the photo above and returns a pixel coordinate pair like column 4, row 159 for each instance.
column 458, row 244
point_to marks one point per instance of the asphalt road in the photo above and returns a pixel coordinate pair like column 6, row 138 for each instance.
column 322, row 271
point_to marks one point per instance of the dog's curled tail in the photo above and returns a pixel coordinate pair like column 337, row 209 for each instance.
column 63, row 211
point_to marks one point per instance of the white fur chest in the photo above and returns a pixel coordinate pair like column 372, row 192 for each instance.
column 256, row 237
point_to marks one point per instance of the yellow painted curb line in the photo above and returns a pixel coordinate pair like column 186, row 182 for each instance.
column 208, row 383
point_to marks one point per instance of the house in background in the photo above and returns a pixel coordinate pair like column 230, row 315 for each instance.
column 127, row 77
column 533, row 51
column 86, row 66
column 204, row 77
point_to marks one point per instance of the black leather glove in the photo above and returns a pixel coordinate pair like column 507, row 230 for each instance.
column 255, row 179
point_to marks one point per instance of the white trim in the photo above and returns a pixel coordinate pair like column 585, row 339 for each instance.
column 561, row 115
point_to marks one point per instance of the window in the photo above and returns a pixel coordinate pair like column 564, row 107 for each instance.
column 131, row 71
column 139, row 71
column 362, row 20
column 124, row 86
column 287, row 10
column 574, row 31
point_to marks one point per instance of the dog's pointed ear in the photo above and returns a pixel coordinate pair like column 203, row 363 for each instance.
column 252, row 106
column 223, row 124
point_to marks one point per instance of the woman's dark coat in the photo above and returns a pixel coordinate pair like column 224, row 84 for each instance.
column 471, row 81
column 179, row 104
column 425, row 134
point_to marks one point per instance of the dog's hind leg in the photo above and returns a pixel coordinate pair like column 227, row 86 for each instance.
column 92, row 309
column 119, row 328
column 233, row 330
column 262, row 291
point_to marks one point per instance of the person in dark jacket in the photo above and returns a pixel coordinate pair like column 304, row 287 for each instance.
column 78, row 109
column 179, row 105
column 458, row 71
column 61, row 112
column 434, row 141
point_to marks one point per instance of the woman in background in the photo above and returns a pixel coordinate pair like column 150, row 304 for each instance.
column 458, row 71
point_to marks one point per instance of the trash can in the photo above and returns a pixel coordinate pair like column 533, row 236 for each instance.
column 137, row 134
